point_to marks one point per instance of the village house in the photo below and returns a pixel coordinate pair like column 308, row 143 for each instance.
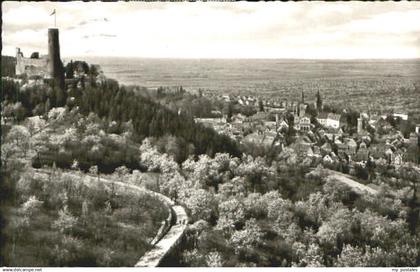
column 282, row 124
column 260, row 138
column 398, row 158
column 302, row 149
column 327, row 159
column 326, row 148
column 331, row 120
column 351, row 146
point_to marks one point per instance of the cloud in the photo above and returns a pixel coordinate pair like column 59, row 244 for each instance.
column 105, row 35
column 244, row 29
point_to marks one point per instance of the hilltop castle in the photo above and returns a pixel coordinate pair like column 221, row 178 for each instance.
column 48, row 67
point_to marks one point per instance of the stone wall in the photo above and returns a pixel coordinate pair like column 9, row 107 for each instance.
column 169, row 244
column 31, row 67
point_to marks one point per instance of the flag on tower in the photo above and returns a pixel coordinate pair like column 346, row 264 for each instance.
column 55, row 18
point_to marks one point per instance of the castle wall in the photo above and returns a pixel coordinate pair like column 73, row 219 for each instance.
column 31, row 67
column 49, row 66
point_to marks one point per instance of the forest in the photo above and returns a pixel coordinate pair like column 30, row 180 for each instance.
column 113, row 103
column 244, row 210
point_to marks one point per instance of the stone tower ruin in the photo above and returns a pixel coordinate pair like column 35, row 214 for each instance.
column 55, row 66
column 48, row 66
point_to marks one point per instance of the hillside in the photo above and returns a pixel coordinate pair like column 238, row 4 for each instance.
column 8, row 66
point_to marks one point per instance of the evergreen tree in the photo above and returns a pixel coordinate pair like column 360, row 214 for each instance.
column 260, row 105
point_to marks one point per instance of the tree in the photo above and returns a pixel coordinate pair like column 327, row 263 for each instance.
column 247, row 238
column 208, row 172
column 314, row 210
column 231, row 215
column 229, row 111
column 351, row 257
column 31, row 206
column 69, row 69
column 318, row 101
column 410, row 175
column 8, row 154
column 336, row 229
column 194, row 258
column 260, row 105
column 93, row 170
column 65, row 221
column 309, row 256
column 235, row 187
column 174, row 185
column 214, row 259
column 200, row 203
column 370, row 168
column 48, row 106
column 122, row 172
column 20, row 136
column 85, row 210
column 280, row 212
column 19, row 111
column 254, row 171
column 150, row 156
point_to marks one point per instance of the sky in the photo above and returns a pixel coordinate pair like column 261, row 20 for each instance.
column 308, row 30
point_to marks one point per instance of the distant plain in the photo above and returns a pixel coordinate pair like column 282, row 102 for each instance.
column 376, row 84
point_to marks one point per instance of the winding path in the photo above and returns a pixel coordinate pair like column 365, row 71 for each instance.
column 347, row 180
column 154, row 257
column 171, row 231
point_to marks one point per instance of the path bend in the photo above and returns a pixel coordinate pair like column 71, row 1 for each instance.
column 171, row 231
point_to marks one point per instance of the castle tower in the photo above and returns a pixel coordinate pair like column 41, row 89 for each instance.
column 359, row 124
column 19, row 69
column 18, row 52
column 55, row 66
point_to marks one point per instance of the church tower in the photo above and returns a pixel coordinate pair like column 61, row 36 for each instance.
column 359, row 124
column 318, row 101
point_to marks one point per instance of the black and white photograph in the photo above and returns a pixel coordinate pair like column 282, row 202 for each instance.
column 210, row 134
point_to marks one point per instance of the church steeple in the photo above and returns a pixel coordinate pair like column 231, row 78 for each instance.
column 303, row 98
column 318, row 101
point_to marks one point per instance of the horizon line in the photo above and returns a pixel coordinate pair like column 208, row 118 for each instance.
column 239, row 58
column 236, row 58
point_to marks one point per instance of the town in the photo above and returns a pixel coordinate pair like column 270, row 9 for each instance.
column 310, row 132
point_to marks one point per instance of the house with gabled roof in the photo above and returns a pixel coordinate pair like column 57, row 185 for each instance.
column 327, row 159
column 331, row 120
column 326, row 148
column 398, row 158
